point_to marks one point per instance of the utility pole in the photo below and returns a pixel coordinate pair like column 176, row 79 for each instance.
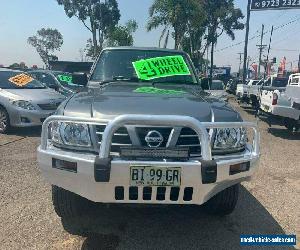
column 248, row 64
column 240, row 62
column 246, row 41
column 261, row 48
column 299, row 64
column 269, row 50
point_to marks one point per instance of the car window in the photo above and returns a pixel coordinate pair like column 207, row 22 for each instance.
column 47, row 79
column 295, row 81
column 259, row 83
column 18, row 80
column 119, row 63
column 267, row 82
column 65, row 79
column 279, row 82
column 217, row 85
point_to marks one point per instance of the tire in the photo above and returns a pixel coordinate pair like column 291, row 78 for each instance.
column 69, row 205
column 4, row 121
column 224, row 202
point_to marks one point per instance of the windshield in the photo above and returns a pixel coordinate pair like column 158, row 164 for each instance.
column 18, row 80
column 280, row 82
column 118, row 65
column 217, row 85
column 65, row 79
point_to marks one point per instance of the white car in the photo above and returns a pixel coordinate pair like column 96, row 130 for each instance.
column 242, row 91
column 254, row 91
column 281, row 101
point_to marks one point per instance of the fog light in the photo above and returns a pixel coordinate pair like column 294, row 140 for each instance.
column 239, row 168
column 64, row 165
column 25, row 120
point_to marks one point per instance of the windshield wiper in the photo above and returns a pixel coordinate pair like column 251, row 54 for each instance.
column 122, row 79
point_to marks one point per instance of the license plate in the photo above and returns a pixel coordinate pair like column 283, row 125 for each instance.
column 155, row 176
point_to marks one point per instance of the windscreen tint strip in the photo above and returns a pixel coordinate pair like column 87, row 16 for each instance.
column 159, row 67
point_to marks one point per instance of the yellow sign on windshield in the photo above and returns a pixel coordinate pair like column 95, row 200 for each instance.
column 21, row 80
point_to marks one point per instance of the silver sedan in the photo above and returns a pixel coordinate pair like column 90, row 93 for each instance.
column 24, row 102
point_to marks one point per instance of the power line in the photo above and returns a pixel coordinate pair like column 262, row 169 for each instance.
column 291, row 50
column 256, row 36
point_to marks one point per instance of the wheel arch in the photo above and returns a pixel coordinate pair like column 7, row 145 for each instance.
column 5, row 109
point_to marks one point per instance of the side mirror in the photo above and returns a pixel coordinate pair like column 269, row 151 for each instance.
column 79, row 78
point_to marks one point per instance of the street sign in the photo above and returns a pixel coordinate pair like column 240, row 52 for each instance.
column 274, row 4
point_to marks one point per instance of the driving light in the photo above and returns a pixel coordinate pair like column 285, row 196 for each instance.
column 70, row 134
column 230, row 138
column 23, row 104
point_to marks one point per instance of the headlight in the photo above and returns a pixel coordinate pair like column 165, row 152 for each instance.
column 23, row 104
column 230, row 138
column 70, row 134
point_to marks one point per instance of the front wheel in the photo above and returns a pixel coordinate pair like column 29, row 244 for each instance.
column 4, row 121
column 69, row 205
column 224, row 202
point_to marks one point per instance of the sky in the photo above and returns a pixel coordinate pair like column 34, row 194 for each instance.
column 20, row 19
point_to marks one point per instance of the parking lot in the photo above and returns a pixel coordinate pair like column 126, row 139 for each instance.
column 269, row 204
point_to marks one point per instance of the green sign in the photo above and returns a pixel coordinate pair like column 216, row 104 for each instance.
column 65, row 78
column 152, row 90
column 159, row 67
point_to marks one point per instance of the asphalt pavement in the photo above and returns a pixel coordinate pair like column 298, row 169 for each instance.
column 269, row 204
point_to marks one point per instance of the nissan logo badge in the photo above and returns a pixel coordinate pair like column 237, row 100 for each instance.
column 154, row 139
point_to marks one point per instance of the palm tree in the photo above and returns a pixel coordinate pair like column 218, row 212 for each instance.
column 170, row 14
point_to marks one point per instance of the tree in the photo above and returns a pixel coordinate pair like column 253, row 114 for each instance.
column 107, row 18
column 97, row 17
column 222, row 16
column 46, row 41
column 122, row 35
column 171, row 14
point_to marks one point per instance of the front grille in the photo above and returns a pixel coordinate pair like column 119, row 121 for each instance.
column 143, row 131
column 49, row 106
column 188, row 138
column 120, row 139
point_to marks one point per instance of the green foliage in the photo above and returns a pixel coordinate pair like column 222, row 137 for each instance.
column 98, row 17
column 21, row 65
column 122, row 35
column 196, row 24
column 222, row 16
column 175, row 14
column 46, row 41
column 90, row 50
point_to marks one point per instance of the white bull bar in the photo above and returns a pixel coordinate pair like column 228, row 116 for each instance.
column 155, row 120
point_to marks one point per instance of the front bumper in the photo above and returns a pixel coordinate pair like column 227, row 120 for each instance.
column 83, row 181
column 27, row 118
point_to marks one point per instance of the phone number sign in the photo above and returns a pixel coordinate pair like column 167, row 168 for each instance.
column 274, row 4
